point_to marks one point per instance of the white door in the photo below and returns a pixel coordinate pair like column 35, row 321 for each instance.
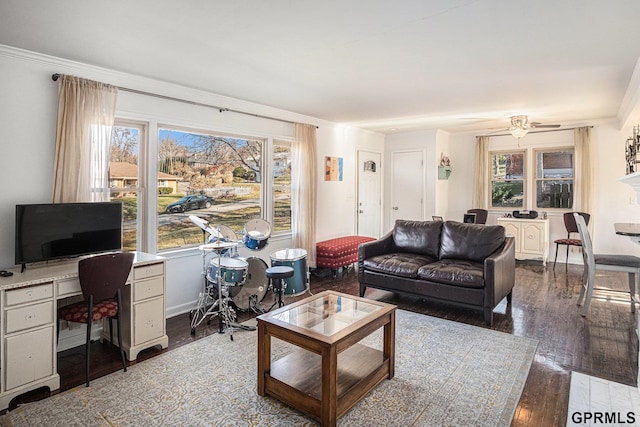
column 369, row 194
column 407, row 185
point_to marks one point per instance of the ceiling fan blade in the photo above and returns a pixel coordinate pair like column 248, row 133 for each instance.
column 540, row 125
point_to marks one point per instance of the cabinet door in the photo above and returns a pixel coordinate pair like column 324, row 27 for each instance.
column 29, row 357
column 532, row 238
column 512, row 229
column 148, row 319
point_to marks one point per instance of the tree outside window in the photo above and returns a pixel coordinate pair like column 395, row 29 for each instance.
column 281, row 168
column 507, row 180
column 218, row 178
column 125, row 180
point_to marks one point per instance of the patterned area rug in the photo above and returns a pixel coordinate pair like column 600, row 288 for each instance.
column 447, row 373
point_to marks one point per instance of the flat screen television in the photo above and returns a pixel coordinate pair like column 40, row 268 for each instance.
column 65, row 230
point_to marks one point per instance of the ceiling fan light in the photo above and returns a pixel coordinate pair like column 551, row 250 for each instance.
column 518, row 132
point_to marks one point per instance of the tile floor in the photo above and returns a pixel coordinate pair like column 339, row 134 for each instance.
column 617, row 404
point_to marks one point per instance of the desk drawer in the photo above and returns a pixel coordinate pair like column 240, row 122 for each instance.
column 28, row 294
column 69, row 287
column 29, row 317
column 150, row 270
column 148, row 288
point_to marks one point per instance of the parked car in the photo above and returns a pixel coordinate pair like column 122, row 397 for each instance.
column 187, row 203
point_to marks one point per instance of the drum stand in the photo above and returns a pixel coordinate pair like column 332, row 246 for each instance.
column 207, row 302
column 207, row 305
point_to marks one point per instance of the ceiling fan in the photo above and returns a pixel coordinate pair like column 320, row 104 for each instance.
column 520, row 126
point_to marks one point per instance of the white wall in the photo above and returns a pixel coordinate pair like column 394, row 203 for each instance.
column 28, row 109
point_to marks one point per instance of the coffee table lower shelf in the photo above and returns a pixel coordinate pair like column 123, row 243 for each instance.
column 296, row 379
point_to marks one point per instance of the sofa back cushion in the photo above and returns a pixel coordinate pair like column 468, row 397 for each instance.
column 473, row 242
column 418, row 237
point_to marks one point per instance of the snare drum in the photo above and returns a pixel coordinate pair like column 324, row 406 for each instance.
column 256, row 234
column 255, row 286
column 232, row 271
column 297, row 259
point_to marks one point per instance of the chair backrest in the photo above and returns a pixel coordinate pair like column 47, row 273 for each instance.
column 570, row 222
column 481, row 215
column 102, row 275
column 587, row 246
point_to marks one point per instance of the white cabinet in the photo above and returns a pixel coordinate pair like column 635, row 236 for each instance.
column 27, row 346
column 531, row 237
column 143, row 313
column 28, row 303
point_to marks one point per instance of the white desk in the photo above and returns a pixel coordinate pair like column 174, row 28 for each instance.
column 28, row 303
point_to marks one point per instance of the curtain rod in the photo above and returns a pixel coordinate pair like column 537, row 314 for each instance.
column 540, row 131
column 56, row 76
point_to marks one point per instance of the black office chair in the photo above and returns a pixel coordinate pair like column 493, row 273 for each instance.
column 101, row 278
column 481, row 215
column 571, row 227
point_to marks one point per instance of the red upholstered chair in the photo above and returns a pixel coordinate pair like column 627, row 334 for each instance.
column 572, row 227
column 101, row 278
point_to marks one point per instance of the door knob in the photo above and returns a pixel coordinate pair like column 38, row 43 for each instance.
column 395, row 208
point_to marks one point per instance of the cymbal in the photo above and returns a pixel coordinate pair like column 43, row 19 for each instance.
column 217, row 246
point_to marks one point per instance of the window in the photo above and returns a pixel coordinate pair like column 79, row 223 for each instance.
column 215, row 177
column 126, row 181
column 281, row 167
column 508, row 180
column 554, row 179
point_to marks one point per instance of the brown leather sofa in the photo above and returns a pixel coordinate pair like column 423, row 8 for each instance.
column 470, row 265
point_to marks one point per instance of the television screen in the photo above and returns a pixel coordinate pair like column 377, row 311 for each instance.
column 65, row 230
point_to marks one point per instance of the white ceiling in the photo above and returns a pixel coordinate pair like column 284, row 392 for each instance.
column 380, row 65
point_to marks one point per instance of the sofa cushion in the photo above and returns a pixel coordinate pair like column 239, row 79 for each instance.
column 473, row 242
column 398, row 264
column 469, row 274
column 418, row 237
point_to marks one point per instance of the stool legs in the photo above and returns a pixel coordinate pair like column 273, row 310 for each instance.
column 277, row 286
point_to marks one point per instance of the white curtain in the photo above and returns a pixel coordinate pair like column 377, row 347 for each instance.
column 584, row 175
column 303, row 190
column 86, row 111
column 481, row 178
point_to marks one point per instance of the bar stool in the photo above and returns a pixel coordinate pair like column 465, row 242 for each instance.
column 276, row 275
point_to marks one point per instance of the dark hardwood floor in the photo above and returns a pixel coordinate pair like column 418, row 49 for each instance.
column 604, row 344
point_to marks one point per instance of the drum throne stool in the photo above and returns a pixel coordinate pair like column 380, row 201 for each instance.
column 276, row 275
column 339, row 252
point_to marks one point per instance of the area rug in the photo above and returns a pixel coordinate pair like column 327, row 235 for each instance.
column 446, row 373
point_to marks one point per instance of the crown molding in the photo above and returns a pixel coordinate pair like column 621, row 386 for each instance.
column 630, row 107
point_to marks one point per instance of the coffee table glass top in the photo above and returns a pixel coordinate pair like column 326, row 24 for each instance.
column 328, row 314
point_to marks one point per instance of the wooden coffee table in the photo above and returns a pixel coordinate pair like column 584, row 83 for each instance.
column 330, row 371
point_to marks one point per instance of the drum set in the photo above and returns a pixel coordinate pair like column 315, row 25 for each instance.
column 234, row 283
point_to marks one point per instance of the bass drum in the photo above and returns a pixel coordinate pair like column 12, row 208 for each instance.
column 256, row 284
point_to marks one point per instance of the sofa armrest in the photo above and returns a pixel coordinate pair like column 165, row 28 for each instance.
column 383, row 245
column 500, row 273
